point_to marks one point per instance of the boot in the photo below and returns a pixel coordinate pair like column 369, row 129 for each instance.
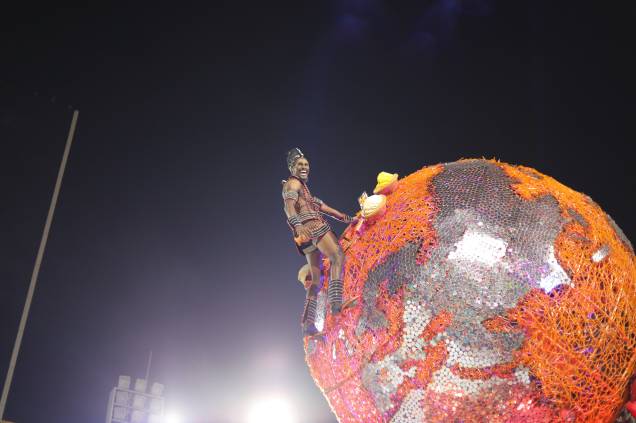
column 309, row 329
column 334, row 294
column 309, row 311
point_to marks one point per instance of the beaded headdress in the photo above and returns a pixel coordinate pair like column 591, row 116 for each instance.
column 293, row 155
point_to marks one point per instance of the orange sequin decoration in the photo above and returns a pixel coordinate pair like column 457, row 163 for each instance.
column 577, row 348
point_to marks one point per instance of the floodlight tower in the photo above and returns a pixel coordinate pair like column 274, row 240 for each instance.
column 126, row 405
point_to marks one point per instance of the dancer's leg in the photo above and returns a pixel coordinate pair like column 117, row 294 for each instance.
column 330, row 247
column 311, row 302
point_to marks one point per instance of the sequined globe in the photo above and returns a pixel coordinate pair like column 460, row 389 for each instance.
column 487, row 292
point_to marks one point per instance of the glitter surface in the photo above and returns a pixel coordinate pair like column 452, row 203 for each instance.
column 487, row 293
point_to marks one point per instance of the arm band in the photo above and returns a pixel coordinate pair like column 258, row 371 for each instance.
column 318, row 201
column 290, row 195
column 347, row 219
column 294, row 221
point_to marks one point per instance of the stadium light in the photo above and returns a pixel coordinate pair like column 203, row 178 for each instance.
column 173, row 417
column 270, row 409
column 141, row 385
column 157, row 389
column 126, row 405
column 123, row 382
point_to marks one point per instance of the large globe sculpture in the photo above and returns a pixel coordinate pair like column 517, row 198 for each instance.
column 487, row 292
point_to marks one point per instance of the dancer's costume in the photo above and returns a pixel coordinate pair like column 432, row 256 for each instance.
column 307, row 214
column 307, row 208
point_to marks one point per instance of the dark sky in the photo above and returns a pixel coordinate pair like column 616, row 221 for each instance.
column 169, row 234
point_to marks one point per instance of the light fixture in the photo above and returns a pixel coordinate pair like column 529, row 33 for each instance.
column 123, row 382
column 137, row 416
column 122, row 397
column 173, row 417
column 141, row 385
column 139, row 401
column 126, row 405
column 120, row 413
column 156, row 389
column 156, row 405
column 270, row 409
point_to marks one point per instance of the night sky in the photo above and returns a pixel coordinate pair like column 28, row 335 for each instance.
column 169, row 233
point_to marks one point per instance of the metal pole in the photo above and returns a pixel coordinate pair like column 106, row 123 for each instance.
column 148, row 366
column 36, row 268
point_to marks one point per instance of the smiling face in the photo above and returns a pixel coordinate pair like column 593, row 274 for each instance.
column 301, row 169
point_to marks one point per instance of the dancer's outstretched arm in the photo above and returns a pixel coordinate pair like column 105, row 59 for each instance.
column 336, row 214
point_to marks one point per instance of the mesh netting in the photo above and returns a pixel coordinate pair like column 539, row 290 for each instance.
column 486, row 293
column 581, row 342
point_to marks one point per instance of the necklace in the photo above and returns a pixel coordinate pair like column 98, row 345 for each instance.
column 307, row 195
